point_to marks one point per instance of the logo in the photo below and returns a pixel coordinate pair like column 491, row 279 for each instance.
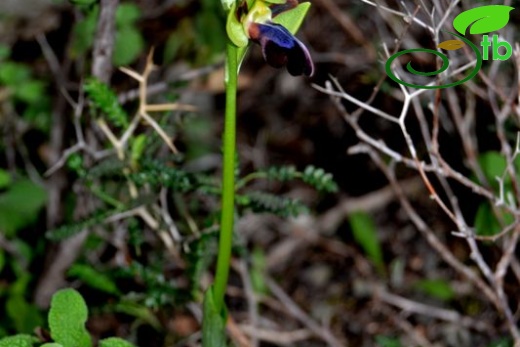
column 479, row 20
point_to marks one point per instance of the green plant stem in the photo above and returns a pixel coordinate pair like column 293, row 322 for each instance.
column 252, row 176
column 107, row 198
column 228, row 179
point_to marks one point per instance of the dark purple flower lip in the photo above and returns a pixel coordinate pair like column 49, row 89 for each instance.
column 280, row 48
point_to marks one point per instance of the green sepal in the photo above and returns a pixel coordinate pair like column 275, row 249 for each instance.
column 293, row 19
column 235, row 29
column 227, row 4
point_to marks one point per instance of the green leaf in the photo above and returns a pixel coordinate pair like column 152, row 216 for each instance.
column 20, row 340
column 84, row 32
column 67, row 317
column 139, row 311
column 19, row 287
column 319, row 179
column 175, row 43
column 51, row 344
column 93, row 278
column 483, row 19
column 13, row 74
column 83, row 2
column 128, row 46
column 493, row 165
column 25, row 250
column 2, row 260
column 293, row 19
column 439, row 289
column 19, row 205
column 5, row 179
column 25, row 316
column 38, row 113
column 365, row 234
column 105, row 99
column 30, row 91
column 260, row 201
column 503, row 342
column 387, row 341
column 129, row 43
column 69, row 230
column 213, row 323
column 115, row 342
column 75, row 164
column 210, row 34
column 5, row 51
column 486, row 223
column 138, row 147
column 282, row 173
column 258, row 271
column 127, row 14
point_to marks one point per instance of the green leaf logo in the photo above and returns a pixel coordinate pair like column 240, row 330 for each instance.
column 482, row 19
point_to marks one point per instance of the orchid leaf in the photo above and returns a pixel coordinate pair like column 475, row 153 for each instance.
column 483, row 19
column 213, row 322
column 293, row 19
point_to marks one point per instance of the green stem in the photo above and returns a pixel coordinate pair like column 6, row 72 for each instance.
column 252, row 176
column 106, row 198
column 228, row 179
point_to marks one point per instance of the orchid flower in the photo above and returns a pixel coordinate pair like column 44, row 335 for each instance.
column 272, row 24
